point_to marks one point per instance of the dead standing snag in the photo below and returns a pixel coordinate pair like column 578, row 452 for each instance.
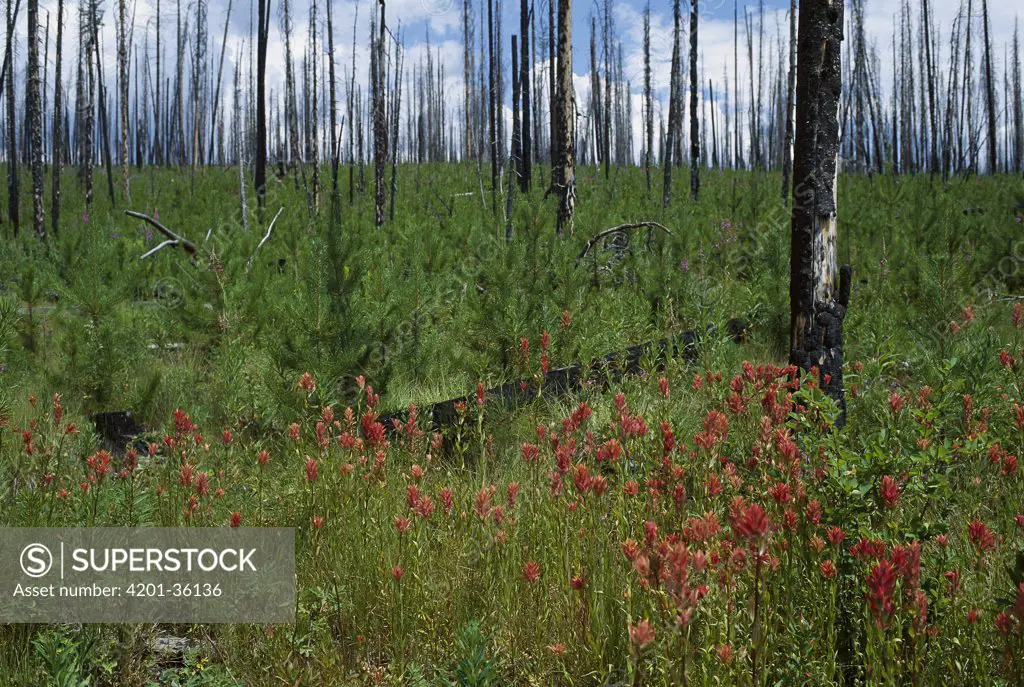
column 819, row 291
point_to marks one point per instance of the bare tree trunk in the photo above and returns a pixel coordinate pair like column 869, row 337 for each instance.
column 335, row 134
column 566, row 106
column 58, row 133
column 526, row 138
column 1018, row 105
column 123, row 82
column 787, row 150
column 240, row 137
column 990, row 94
column 553, row 153
column 648, row 99
column 673, row 105
column 819, row 294
column 13, row 200
column 492, row 100
column 695, row 155
column 33, row 105
column 380, row 123
column 260, row 170
column 467, row 71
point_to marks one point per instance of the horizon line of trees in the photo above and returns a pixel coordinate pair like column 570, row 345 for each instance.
column 948, row 111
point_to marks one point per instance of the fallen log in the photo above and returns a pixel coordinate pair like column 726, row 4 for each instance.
column 561, row 381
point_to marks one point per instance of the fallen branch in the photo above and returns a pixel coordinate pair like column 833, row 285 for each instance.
column 621, row 228
column 175, row 238
column 266, row 236
column 169, row 242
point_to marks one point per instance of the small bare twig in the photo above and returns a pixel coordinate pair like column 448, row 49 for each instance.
column 266, row 236
column 621, row 228
column 175, row 238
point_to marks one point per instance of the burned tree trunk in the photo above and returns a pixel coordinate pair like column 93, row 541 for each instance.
column 819, row 294
column 787, row 149
column 673, row 105
column 566, row 120
column 13, row 200
column 260, row 171
column 694, row 126
column 380, row 122
column 58, row 133
column 990, row 93
column 335, row 134
column 34, row 111
column 122, row 86
column 648, row 99
column 526, row 139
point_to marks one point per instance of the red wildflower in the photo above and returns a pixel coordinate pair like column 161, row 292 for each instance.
column 881, row 582
column 236, row 519
column 318, row 521
column 447, row 502
column 480, row 394
column 397, row 573
column 828, row 569
column 531, row 571
column 889, row 491
column 752, row 522
column 981, row 536
column 402, row 525
column 780, row 493
column 566, row 319
column 306, row 382
column 641, row 634
column 310, row 469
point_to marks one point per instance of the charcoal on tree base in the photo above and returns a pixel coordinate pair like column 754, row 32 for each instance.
column 117, row 428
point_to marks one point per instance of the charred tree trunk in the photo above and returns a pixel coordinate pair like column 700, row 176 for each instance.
column 122, row 83
column 648, row 99
column 380, row 122
column 526, row 138
column 566, row 106
column 990, row 93
column 260, row 170
column 673, row 105
column 58, row 133
column 694, row 86
column 335, row 134
column 13, row 200
column 819, row 294
column 34, row 112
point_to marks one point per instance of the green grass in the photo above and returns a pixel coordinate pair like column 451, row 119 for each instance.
column 434, row 303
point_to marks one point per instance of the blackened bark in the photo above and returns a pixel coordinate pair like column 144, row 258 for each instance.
column 33, row 105
column 13, row 200
column 526, row 138
column 990, row 94
column 819, row 295
column 648, row 98
column 566, row 106
column 673, row 104
column 260, row 171
column 58, row 134
column 694, row 86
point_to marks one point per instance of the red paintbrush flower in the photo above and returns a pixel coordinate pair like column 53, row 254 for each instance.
column 881, row 582
column 889, row 491
column 531, row 571
column 641, row 634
